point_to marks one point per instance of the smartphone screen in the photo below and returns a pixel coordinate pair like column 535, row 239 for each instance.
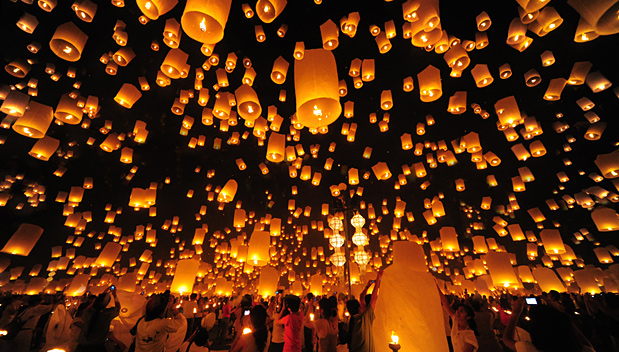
column 531, row 300
column 246, row 312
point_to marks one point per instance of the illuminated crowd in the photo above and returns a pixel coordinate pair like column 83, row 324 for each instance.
column 285, row 322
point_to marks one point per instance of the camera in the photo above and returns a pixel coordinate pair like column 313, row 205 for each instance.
column 112, row 288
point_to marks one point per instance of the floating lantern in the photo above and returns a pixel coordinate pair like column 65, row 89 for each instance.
column 44, row 148
column 108, row 255
column 279, row 71
column 127, row 95
column 602, row 15
column 23, row 240
column 35, row 121
column 227, row 193
column 316, row 89
column 68, row 42
column 605, row 219
column 430, row 88
column 268, row 10
column 482, row 75
column 329, row 32
column 500, row 269
column 204, row 21
column 175, row 64
column 185, row 276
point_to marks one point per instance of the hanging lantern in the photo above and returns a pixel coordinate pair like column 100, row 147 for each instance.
column 316, row 89
column 68, row 42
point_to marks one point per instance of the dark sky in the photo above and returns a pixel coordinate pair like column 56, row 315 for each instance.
column 166, row 154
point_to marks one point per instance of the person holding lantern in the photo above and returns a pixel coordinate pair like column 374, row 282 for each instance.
column 362, row 317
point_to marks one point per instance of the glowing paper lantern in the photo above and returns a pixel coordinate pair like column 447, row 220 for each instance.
column 449, row 239
column 127, row 95
column 500, row 269
column 553, row 243
column 608, row 164
column 227, row 193
column 204, row 21
column 78, row 285
column 18, row 68
column 258, row 251
column 268, row 281
column 316, row 89
column 507, row 111
column 23, row 240
column 602, row 14
column 185, row 276
column 430, row 88
column 68, row 42
column 35, row 121
column 44, row 148
column 108, row 255
column 155, row 8
column 276, row 147
column 67, row 110
column 268, row 10
column 248, row 105
column 548, row 280
column 329, row 32
column 605, row 219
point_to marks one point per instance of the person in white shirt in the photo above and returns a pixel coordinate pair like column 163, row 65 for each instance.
column 153, row 330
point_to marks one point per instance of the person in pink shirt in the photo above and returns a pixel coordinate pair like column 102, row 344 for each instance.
column 292, row 319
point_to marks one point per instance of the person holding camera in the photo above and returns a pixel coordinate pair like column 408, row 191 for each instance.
column 97, row 319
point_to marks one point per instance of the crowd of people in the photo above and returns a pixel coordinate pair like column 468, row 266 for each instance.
column 290, row 323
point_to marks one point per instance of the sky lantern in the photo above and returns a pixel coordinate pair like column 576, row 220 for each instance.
column 258, row 250
column 175, row 64
column 316, row 88
column 605, row 219
column 18, row 68
column 280, row 70
column 248, row 105
column 68, row 42
column 23, row 240
column 27, row 23
column 608, row 164
column 227, row 193
column 107, row 256
column 602, row 15
column 276, row 147
column 449, row 239
column 35, row 121
column 268, row 10
column 185, row 276
column 204, row 21
column 430, row 88
column 553, row 243
column 67, row 110
column 547, row 280
column 44, row 148
column 15, row 103
column 127, row 95
column 501, row 270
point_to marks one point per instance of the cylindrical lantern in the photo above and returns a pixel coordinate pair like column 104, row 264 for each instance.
column 276, row 147
column 127, row 95
column 482, row 75
column 204, row 21
column 227, row 193
column 316, row 89
column 330, row 33
column 280, row 70
column 23, row 240
column 258, row 251
column 268, row 10
column 602, row 14
column 555, row 88
column 185, row 276
column 35, row 121
column 430, row 88
column 108, row 255
column 44, row 148
column 248, row 105
column 68, row 42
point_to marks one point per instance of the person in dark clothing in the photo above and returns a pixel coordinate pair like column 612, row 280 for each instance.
column 97, row 319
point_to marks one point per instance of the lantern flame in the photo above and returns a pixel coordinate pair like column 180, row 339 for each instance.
column 394, row 338
column 203, row 25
